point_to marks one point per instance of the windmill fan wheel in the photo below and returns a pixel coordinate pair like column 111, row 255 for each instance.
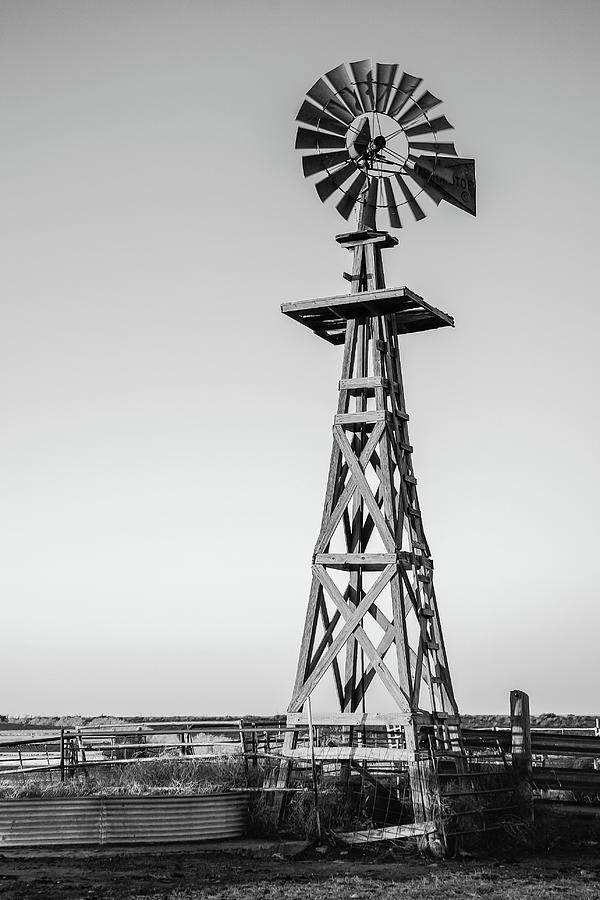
column 370, row 136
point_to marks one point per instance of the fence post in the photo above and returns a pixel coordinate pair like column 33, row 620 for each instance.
column 62, row 754
column 311, row 741
column 520, row 726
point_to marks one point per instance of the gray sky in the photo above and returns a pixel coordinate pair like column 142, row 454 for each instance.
column 166, row 431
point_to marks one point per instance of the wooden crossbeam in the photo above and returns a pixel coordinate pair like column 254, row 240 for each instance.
column 363, row 487
column 367, row 754
column 353, row 618
column 331, row 522
column 352, row 621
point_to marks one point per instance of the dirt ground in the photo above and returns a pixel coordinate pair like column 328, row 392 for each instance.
column 187, row 873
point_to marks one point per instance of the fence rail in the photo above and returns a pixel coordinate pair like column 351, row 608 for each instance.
column 548, row 759
column 84, row 747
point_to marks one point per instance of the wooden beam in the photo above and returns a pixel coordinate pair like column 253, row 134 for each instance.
column 330, row 523
column 356, row 718
column 369, row 561
column 388, row 301
column 354, row 618
column 360, row 384
column 391, row 833
column 370, row 754
column 364, row 488
column 339, row 641
column 368, row 416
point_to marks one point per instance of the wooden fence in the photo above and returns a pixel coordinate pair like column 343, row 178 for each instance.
column 554, row 769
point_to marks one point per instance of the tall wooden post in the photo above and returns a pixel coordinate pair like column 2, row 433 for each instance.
column 372, row 611
column 520, row 726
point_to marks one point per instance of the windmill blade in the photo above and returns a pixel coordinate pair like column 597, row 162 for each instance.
column 446, row 149
column 454, row 180
column 324, row 96
column 327, row 186
column 370, row 206
column 309, row 114
column 426, row 101
column 341, row 81
column 439, row 124
column 412, row 203
column 321, row 161
column 363, row 76
column 348, row 201
column 391, row 204
column 362, row 140
column 408, row 84
column 317, row 140
column 425, row 183
column 385, row 76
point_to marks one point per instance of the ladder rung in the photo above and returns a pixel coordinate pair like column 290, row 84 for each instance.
column 417, row 545
column 427, row 612
column 426, row 579
column 432, row 645
column 407, row 447
column 412, row 511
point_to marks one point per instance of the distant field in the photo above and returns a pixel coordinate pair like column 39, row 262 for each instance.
column 39, row 725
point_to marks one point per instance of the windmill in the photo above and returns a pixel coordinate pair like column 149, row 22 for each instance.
column 369, row 135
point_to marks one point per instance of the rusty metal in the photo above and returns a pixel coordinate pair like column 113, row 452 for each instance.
column 98, row 821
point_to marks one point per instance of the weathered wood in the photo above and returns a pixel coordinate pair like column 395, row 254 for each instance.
column 366, row 236
column 370, row 650
column 331, row 521
column 399, row 295
column 356, row 718
column 312, row 680
column 412, row 312
column 391, row 833
column 364, row 488
column 368, row 561
column 361, row 418
column 370, row 754
column 371, row 499
column 361, row 384
column 520, row 726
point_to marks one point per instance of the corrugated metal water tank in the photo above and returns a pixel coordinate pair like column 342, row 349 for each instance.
column 121, row 820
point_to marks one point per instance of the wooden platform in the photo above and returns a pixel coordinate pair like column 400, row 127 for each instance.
column 327, row 316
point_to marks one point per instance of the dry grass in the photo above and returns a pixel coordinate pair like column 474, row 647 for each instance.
column 436, row 886
column 162, row 776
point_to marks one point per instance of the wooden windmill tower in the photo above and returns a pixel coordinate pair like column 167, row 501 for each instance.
column 372, row 141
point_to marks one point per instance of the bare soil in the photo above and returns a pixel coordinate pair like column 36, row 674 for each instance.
column 187, row 873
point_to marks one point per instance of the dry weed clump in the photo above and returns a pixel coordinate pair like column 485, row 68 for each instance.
column 163, row 776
